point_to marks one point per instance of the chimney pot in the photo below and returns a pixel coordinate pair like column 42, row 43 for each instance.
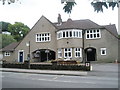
column 59, row 19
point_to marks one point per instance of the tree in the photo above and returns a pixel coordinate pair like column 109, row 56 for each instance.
column 6, row 40
column 18, row 30
column 98, row 5
column 69, row 4
column 4, row 26
column 8, row 1
column 119, row 36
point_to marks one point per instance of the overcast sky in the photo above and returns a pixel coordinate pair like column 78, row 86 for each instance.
column 29, row 11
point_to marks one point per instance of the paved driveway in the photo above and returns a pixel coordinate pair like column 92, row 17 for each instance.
column 104, row 69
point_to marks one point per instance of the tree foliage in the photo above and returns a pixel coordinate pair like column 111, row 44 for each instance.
column 6, row 40
column 18, row 30
column 4, row 26
column 97, row 5
column 119, row 36
column 69, row 4
column 8, row 1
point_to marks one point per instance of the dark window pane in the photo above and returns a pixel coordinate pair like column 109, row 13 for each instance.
column 91, row 36
column 69, row 54
column 45, row 38
column 65, row 54
column 103, row 51
column 67, row 34
column 70, row 33
column 77, row 33
column 97, row 30
column 94, row 35
column 65, row 49
column 74, row 33
column 63, row 34
column 87, row 36
column 78, row 54
column 90, row 31
column 98, row 35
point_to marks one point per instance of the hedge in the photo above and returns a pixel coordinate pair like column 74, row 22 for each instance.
column 46, row 67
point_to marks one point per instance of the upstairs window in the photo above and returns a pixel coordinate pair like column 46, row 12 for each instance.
column 73, row 33
column 103, row 51
column 43, row 37
column 93, row 34
column 7, row 54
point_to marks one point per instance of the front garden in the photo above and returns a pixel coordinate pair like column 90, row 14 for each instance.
column 53, row 65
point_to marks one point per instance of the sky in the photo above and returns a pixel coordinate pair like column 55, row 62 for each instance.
column 30, row 11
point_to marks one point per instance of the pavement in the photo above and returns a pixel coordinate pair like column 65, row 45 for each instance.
column 53, row 72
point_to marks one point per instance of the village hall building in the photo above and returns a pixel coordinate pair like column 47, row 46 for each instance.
column 68, row 40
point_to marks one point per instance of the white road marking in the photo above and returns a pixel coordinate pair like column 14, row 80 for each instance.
column 63, row 81
column 55, row 78
column 58, row 77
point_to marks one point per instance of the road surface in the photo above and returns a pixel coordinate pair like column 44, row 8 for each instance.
column 102, row 76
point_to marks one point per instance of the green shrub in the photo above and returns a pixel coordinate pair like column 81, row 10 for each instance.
column 47, row 66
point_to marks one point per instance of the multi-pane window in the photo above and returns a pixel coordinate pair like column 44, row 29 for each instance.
column 78, row 52
column 93, row 34
column 103, row 51
column 7, row 54
column 74, row 33
column 43, row 37
column 59, row 53
column 68, row 53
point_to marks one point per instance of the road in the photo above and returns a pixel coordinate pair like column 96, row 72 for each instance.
column 102, row 76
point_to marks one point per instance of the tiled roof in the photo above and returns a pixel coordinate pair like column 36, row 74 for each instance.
column 78, row 24
column 112, row 29
column 85, row 24
column 10, row 47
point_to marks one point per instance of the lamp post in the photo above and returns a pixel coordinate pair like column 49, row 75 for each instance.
column 47, row 51
column 28, row 56
column 28, row 45
column 39, row 53
column 83, row 44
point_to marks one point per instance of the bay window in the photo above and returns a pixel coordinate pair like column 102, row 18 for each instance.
column 73, row 33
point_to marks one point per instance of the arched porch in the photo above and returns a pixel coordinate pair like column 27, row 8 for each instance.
column 90, row 54
column 42, row 55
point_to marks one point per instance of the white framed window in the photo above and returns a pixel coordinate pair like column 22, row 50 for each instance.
column 7, row 54
column 78, row 52
column 59, row 53
column 43, row 37
column 103, row 51
column 73, row 33
column 93, row 34
column 67, row 53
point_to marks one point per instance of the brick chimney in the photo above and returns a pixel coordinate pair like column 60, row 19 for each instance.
column 59, row 19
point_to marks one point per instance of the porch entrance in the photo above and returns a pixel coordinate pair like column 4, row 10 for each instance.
column 42, row 55
column 90, row 54
column 21, row 56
